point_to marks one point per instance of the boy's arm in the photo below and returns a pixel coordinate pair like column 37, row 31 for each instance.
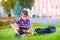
column 16, row 23
column 16, row 26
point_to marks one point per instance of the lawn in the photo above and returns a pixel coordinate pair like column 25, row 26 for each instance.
column 9, row 34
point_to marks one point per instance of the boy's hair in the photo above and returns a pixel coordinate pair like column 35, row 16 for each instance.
column 25, row 12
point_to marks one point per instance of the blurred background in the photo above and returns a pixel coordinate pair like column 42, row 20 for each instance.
column 40, row 11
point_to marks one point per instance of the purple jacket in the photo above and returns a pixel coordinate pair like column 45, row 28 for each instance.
column 23, row 23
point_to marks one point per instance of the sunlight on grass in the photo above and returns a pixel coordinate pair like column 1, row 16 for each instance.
column 9, row 34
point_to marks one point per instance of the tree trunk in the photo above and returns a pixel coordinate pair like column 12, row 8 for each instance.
column 9, row 15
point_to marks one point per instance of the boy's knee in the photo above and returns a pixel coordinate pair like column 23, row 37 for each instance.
column 17, row 29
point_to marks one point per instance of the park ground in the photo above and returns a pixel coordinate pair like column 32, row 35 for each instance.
column 9, row 34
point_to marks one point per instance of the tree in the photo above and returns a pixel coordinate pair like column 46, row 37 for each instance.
column 26, row 3
column 9, row 4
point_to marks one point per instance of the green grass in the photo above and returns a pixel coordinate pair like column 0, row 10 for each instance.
column 9, row 34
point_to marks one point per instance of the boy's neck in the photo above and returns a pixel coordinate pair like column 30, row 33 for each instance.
column 24, row 20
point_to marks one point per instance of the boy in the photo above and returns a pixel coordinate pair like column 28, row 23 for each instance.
column 22, row 25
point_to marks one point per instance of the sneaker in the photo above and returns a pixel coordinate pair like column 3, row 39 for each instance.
column 18, row 35
column 21, row 33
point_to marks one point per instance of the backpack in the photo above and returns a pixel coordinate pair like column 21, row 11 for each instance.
column 49, row 29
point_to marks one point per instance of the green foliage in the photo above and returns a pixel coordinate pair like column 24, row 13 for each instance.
column 9, row 4
column 26, row 3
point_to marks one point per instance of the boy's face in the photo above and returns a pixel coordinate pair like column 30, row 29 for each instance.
column 24, row 17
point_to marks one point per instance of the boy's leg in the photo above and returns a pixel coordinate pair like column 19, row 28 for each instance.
column 27, row 31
